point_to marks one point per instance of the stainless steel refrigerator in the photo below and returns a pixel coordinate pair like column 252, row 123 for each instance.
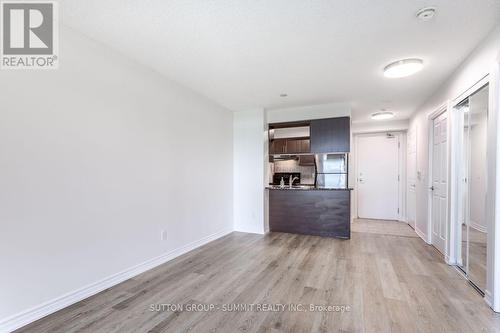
column 331, row 170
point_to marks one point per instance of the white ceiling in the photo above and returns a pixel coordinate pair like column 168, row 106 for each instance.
column 244, row 53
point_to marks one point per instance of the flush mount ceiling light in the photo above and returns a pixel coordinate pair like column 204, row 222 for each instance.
column 382, row 115
column 403, row 68
column 427, row 13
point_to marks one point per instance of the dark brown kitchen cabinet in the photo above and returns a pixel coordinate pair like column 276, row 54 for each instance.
column 292, row 146
column 330, row 135
column 277, row 146
column 311, row 212
column 297, row 146
column 289, row 146
column 305, row 146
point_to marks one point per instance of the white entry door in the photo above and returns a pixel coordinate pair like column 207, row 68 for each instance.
column 377, row 176
column 439, row 181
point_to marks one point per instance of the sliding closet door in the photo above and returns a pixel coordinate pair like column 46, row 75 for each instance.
column 472, row 115
column 463, row 193
column 477, row 187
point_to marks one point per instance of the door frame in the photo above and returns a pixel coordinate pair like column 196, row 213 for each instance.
column 401, row 136
column 444, row 108
column 413, row 128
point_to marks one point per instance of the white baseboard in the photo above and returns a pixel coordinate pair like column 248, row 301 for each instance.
column 447, row 259
column 251, row 231
column 422, row 235
column 478, row 227
column 489, row 299
column 24, row 318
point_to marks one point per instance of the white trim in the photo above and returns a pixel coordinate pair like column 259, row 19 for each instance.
column 252, row 231
column 422, row 235
column 408, row 184
column 478, row 227
column 455, row 198
column 369, row 131
column 402, row 161
column 475, row 87
column 24, row 318
column 493, row 201
column 488, row 298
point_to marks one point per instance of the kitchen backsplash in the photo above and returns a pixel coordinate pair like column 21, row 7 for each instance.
column 306, row 172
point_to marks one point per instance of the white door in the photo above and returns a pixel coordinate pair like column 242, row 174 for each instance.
column 439, row 187
column 411, row 207
column 378, row 184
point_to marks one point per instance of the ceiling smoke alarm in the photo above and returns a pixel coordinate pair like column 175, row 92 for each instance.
column 426, row 14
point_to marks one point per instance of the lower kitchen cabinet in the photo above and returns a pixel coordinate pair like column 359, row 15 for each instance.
column 311, row 212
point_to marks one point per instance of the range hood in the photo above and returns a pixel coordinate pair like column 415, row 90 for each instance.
column 284, row 157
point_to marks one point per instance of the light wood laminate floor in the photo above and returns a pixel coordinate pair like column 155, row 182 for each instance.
column 391, row 284
column 382, row 227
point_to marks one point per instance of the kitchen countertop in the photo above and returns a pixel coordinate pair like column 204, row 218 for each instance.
column 304, row 188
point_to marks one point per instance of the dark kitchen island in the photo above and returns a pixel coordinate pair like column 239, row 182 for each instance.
column 310, row 211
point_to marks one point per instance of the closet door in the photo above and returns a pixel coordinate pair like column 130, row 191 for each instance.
column 463, row 189
column 472, row 227
column 477, row 187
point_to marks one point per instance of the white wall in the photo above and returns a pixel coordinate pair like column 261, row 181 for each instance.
column 479, row 63
column 96, row 159
column 250, row 160
column 319, row 111
column 399, row 125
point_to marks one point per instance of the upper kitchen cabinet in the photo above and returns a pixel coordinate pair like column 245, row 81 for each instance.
column 331, row 135
column 289, row 138
column 289, row 146
column 277, row 146
column 297, row 146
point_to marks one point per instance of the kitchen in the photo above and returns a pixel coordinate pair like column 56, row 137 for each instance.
column 308, row 191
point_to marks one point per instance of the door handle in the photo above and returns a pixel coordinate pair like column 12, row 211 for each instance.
column 431, row 188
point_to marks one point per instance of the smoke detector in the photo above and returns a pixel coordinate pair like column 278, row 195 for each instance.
column 426, row 14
